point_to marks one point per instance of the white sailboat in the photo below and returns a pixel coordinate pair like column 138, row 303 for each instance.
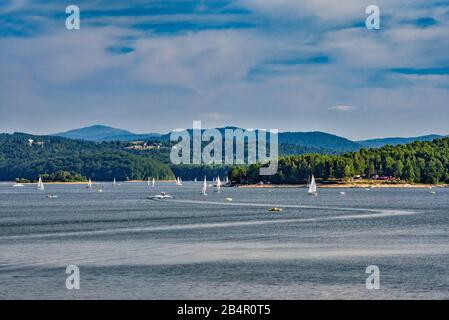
column 40, row 185
column 148, row 181
column 89, row 184
column 218, row 184
column 153, row 183
column 114, row 183
column 204, row 187
column 178, row 181
column 312, row 187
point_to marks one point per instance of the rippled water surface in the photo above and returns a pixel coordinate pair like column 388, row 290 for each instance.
column 203, row 247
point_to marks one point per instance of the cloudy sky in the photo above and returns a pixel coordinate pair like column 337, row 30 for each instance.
column 153, row 66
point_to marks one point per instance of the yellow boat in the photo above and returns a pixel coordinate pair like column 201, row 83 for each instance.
column 275, row 209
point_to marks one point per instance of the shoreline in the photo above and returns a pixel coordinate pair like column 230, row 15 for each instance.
column 350, row 185
column 363, row 185
column 83, row 182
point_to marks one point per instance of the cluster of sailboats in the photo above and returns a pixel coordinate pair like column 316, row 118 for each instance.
column 178, row 182
column 152, row 183
column 216, row 183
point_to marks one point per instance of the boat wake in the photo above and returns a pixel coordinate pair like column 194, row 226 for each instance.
column 268, row 205
column 365, row 214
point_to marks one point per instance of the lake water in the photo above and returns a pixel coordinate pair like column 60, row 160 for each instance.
column 202, row 247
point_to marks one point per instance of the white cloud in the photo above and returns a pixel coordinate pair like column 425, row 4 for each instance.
column 343, row 108
column 177, row 77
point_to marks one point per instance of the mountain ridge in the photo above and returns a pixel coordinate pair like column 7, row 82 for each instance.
column 100, row 132
column 394, row 141
column 313, row 140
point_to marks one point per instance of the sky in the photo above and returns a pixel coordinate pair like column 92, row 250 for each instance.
column 155, row 66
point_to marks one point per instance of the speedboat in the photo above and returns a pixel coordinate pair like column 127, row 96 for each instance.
column 342, row 193
column 161, row 196
column 17, row 185
column 275, row 209
column 228, row 199
column 52, row 196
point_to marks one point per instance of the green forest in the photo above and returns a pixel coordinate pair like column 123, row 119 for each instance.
column 418, row 162
column 61, row 159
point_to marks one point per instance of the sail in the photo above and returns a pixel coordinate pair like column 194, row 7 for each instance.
column 153, row 182
column 218, row 184
column 312, row 187
column 89, row 184
column 114, row 183
column 40, row 185
column 204, row 186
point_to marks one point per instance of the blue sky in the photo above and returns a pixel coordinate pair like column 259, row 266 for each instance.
column 154, row 66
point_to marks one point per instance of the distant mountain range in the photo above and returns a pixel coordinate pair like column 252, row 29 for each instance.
column 105, row 133
column 295, row 142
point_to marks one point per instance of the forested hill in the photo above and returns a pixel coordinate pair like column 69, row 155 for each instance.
column 61, row 159
column 27, row 156
column 417, row 162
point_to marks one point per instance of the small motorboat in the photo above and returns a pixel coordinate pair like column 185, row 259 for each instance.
column 228, row 199
column 275, row 209
column 52, row 196
column 342, row 193
column 18, row 185
column 161, row 196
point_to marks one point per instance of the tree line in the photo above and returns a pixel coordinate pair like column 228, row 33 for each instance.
column 61, row 159
column 417, row 162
